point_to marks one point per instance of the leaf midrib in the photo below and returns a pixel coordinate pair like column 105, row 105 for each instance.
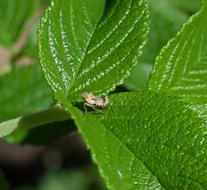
column 136, row 157
column 84, row 54
column 89, row 43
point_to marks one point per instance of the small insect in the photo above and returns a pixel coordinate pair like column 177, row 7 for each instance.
column 94, row 101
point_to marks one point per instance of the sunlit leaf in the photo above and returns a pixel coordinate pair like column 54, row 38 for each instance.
column 79, row 53
column 181, row 67
column 166, row 20
column 146, row 141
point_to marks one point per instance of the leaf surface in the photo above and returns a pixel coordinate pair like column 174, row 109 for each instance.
column 146, row 141
column 181, row 67
column 80, row 53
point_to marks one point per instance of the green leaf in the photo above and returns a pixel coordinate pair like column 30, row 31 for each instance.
column 166, row 20
column 22, row 92
column 13, row 16
column 146, row 141
column 79, row 55
column 187, row 5
column 181, row 67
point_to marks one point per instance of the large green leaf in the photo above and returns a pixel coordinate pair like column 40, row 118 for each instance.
column 181, row 67
column 13, row 16
column 22, row 92
column 166, row 20
column 147, row 141
column 79, row 55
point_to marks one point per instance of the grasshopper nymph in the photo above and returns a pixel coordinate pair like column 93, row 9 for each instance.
column 94, row 101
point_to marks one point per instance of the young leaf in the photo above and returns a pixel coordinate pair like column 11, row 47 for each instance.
column 147, row 141
column 22, row 92
column 181, row 67
column 79, row 54
column 13, row 16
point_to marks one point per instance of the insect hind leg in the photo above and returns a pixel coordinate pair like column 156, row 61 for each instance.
column 91, row 106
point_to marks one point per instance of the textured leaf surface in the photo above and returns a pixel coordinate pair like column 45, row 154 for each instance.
column 181, row 67
column 166, row 20
column 13, row 15
column 79, row 55
column 22, row 92
column 147, row 141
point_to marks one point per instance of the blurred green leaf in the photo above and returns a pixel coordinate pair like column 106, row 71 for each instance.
column 187, row 5
column 84, row 179
column 166, row 20
column 78, row 56
column 146, row 141
column 64, row 181
column 53, row 114
column 139, row 77
column 13, row 16
column 31, row 47
column 23, row 92
column 15, row 137
column 181, row 67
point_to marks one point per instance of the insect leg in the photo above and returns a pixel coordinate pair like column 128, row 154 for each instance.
column 85, row 108
column 90, row 105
